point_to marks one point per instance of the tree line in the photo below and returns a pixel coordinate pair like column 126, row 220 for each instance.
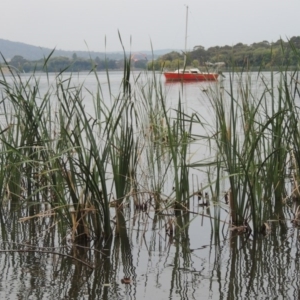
column 264, row 55
column 59, row 64
column 74, row 64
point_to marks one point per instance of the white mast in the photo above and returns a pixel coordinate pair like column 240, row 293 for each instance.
column 186, row 27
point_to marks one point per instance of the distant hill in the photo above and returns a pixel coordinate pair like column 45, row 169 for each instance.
column 10, row 49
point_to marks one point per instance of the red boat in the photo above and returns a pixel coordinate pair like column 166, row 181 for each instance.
column 190, row 75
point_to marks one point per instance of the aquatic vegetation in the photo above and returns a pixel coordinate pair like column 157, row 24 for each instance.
column 80, row 163
column 91, row 175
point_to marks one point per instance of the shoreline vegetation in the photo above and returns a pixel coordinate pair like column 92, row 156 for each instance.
column 262, row 56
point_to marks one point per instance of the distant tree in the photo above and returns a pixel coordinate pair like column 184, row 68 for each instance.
column 74, row 56
column 239, row 45
column 140, row 64
column 171, row 56
column 195, row 63
column 119, row 64
column 58, row 64
column 28, row 67
column 151, row 64
column 177, row 63
column 81, row 65
column 18, row 62
column 200, row 54
column 111, row 64
column 295, row 40
column 198, row 47
column 97, row 61
column 167, row 64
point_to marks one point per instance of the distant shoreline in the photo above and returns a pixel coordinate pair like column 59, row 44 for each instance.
column 6, row 70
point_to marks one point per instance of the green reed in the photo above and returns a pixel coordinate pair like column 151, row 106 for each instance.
column 254, row 131
column 155, row 166
column 64, row 155
column 56, row 153
column 135, row 147
column 178, row 137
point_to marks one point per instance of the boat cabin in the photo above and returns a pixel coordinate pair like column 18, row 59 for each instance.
column 188, row 71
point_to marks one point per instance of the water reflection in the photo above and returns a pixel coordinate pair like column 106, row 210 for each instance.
column 144, row 261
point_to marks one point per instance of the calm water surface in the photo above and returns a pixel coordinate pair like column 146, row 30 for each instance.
column 193, row 264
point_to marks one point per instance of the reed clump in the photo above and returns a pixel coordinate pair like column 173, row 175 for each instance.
column 136, row 148
column 256, row 130
column 79, row 163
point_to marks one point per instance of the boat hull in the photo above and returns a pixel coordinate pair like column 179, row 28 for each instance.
column 173, row 76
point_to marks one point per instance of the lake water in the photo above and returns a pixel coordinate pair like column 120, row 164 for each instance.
column 194, row 263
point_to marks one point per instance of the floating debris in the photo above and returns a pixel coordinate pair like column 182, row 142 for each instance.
column 226, row 198
column 199, row 195
column 126, row 280
column 245, row 228
column 169, row 227
column 265, row 228
column 207, row 199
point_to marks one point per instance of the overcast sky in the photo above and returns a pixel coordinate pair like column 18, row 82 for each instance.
column 94, row 24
